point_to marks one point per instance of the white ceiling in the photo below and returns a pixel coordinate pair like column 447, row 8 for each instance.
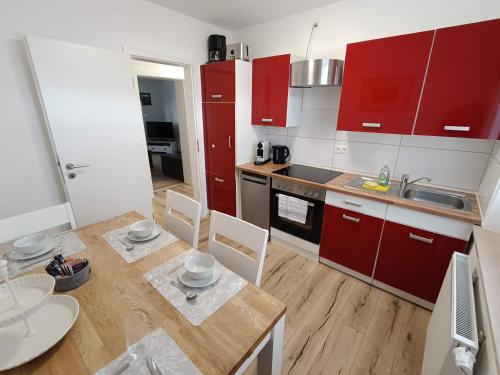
column 238, row 14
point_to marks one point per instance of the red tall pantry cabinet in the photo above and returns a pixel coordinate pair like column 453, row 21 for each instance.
column 230, row 139
column 461, row 94
column 383, row 80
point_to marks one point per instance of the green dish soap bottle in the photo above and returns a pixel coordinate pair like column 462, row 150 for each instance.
column 384, row 175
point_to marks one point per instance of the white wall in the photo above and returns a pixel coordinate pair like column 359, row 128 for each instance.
column 28, row 174
column 451, row 162
column 489, row 191
column 163, row 103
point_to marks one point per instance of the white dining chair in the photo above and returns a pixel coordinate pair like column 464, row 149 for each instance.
column 246, row 234
column 176, row 224
column 51, row 220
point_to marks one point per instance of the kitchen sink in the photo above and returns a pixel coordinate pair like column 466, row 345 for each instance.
column 440, row 198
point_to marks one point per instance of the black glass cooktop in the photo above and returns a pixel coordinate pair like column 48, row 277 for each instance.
column 304, row 172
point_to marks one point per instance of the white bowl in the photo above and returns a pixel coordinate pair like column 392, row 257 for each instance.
column 200, row 265
column 31, row 244
column 143, row 228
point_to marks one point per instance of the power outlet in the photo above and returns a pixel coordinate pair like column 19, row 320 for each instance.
column 341, row 149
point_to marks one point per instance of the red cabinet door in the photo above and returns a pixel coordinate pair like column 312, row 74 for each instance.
column 414, row 260
column 221, row 193
column 218, row 82
column 350, row 239
column 219, row 128
column 270, row 80
column 383, row 80
column 461, row 93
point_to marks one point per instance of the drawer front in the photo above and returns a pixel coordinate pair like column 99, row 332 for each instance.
column 413, row 260
column 432, row 223
column 221, row 193
column 362, row 205
column 350, row 239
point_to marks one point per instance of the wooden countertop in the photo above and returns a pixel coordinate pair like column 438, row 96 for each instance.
column 339, row 184
column 218, row 346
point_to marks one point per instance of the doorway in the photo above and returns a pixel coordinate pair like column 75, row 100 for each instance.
column 169, row 129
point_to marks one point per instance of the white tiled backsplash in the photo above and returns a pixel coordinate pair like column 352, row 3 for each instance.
column 451, row 162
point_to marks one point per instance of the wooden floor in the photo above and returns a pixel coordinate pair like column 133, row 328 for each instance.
column 335, row 324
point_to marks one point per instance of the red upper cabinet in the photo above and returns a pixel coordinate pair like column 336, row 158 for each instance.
column 218, row 82
column 461, row 95
column 273, row 101
column 219, row 128
column 414, row 260
column 383, row 81
column 350, row 239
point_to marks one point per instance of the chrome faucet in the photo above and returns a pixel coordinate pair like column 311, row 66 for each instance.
column 404, row 182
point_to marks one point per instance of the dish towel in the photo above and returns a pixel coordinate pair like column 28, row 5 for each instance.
column 283, row 205
column 297, row 210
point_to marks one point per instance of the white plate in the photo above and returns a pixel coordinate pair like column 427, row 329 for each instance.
column 51, row 323
column 51, row 244
column 32, row 292
column 156, row 233
column 195, row 283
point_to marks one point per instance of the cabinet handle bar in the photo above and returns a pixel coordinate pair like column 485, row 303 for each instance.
column 421, row 239
column 371, row 125
column 350, row 218
column 267, row 120
column 457, row 128
column 353, row 203
column 217, row 179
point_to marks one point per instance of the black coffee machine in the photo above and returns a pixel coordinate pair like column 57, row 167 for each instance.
column 216, row 48
column 280, row 154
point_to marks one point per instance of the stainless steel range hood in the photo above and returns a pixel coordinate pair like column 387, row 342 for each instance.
column 316, row 73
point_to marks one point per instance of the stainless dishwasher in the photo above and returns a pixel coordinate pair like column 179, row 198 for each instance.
column 255, row 192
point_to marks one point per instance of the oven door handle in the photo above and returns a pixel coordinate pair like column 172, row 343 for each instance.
column 310, row 204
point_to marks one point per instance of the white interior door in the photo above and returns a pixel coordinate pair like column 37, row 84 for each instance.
column 94, row 120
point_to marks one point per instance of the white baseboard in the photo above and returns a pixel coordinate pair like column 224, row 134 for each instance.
column 407, row 296
column 302, row 247
column 346, row 270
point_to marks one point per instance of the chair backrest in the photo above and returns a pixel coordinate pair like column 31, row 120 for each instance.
column 188, row 207
column 246, row 234
column 52, row 220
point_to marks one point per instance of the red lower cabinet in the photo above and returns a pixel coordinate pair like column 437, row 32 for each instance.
column 415, row 261
column 221, row 193
column 350, row 239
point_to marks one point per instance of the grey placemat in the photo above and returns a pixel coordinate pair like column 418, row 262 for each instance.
column 162, row 349
column 141, row 249
column 66, row 243
column 210, row 298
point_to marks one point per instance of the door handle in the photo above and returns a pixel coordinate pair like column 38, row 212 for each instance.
column 350, row 218
column 229, row 141
column 421, row 239
column 217, row 179
column 71, row 166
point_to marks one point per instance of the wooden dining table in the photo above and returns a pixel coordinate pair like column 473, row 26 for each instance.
column 250, row 325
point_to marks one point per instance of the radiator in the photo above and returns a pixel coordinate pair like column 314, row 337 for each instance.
column 452, row 339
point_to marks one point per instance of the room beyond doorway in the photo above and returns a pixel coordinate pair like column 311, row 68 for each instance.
column 161, row 127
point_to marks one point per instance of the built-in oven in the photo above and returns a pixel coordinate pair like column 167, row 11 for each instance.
column 308, row 228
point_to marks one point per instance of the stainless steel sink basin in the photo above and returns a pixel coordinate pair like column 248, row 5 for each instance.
column 440, row 198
